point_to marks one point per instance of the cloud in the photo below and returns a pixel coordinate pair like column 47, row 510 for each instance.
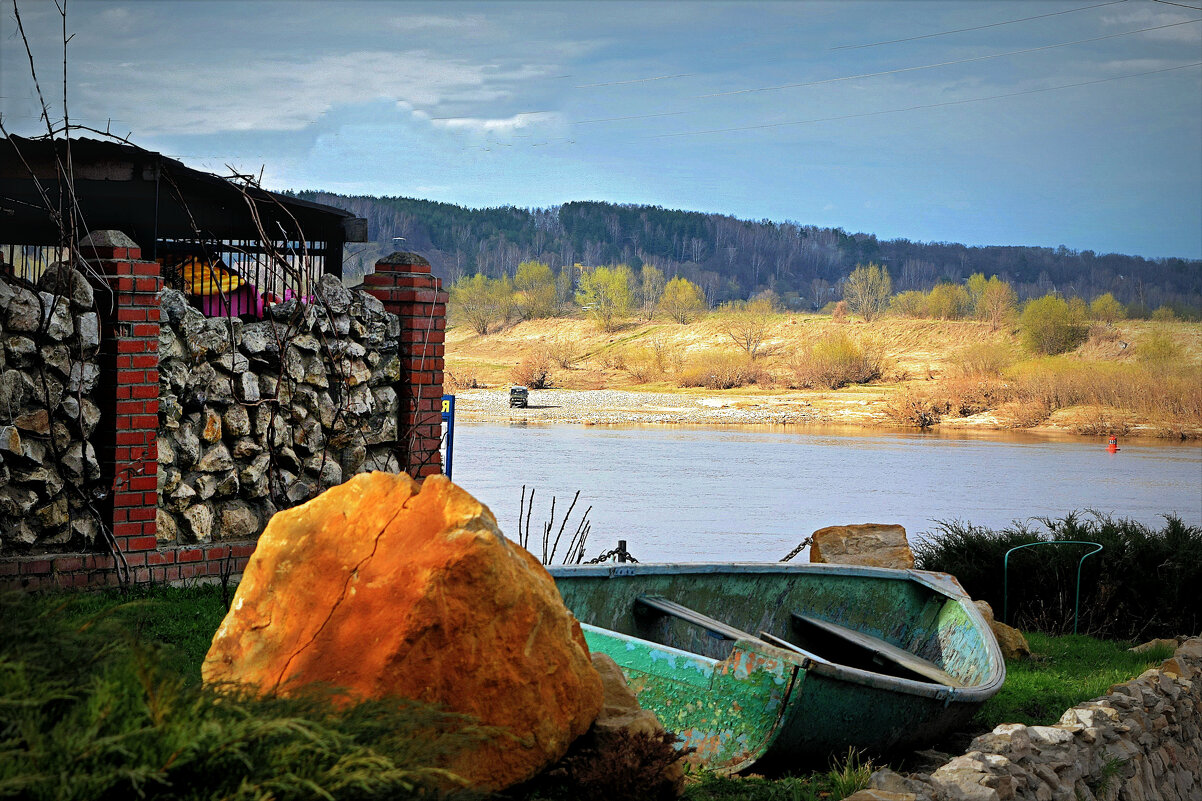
column 286, row 94
column 508, row 125
column 425, row 22
column 1137, row 18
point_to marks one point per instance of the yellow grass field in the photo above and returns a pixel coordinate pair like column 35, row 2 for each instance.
column 1135, row 377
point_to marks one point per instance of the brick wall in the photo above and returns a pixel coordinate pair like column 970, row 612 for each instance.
column 403, row 282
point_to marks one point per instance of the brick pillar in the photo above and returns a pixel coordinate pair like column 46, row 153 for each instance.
column 127, row 438
column 404, row 283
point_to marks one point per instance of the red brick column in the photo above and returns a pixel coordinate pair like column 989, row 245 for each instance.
column 128, row 443
column 404, row 283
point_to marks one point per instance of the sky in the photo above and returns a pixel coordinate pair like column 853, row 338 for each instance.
column 987, row 123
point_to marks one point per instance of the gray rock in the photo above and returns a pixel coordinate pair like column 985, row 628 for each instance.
column 233, row 363
column 216, row 459
column 16, row 502
column 24, row 311
column 60, row 435
column 246, row 448
column 330, row 474
column 91, row 465
column 166, row 452
column 60, row 279
column 298, row 492
column 205, row 486
column 254, row 477
column 198, row 521
column 173, row 372
column 228, row 485
column 173, row 305
column 166, row 528
column 20, row 351
column 46, row 483
column 15, row 387
column 57, row 358
column 236, row 421
column 210, row 337
column 187, row 446
column 259, row 339
column 21, row 534
column 170, row 346
column 239, row 521
column 53, row 516
column 249, row 386
column 337, row 297
column 170, row 412
column 56, row 317
column 88, row 327
column 366, row 305
column 83, row 377
column 352, row 457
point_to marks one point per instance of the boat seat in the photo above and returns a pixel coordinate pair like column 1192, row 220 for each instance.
column 884, row 651
column 714, row 627
column 772, row 639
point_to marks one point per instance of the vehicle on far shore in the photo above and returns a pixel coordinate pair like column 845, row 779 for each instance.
column 519, row 396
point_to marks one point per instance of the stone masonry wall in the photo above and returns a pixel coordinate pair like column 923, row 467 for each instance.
column 260, row 416
column 49, row 473
column 1140, row 742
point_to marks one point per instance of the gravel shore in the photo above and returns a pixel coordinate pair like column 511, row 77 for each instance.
column 619, row 407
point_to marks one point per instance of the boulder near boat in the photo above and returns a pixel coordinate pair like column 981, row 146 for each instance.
column 777, row 665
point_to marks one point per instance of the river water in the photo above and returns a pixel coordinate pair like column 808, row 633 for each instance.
column 692, row 494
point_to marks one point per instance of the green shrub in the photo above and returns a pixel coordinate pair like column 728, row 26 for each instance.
column 1143, row 584
column 93, row 711
column 1050, row 325
column 983, row 359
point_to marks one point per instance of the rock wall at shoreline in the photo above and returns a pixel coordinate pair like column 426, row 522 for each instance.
column 261, row 416
column 1140, row 742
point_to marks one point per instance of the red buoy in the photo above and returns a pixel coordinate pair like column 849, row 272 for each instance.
column 1113, row 446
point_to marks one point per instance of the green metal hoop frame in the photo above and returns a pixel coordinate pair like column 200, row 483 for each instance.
column 1006, row 575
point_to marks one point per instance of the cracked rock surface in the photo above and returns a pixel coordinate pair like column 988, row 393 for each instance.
column 389, row 588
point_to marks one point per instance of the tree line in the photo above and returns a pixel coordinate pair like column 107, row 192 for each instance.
column 614, row 294
column 732, row 260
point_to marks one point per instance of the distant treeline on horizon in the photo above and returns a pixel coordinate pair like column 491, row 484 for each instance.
column 732, row 259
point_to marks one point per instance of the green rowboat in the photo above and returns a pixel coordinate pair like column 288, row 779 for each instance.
column 778, row 666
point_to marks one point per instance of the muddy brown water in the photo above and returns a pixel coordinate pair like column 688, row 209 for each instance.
column 729, row 494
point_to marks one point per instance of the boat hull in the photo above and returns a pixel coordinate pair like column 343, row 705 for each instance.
column 699, row 646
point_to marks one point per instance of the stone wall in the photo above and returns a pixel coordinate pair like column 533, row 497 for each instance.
column 250, row 417
column 49, row 473
column 1140, row 742
column 260, row 416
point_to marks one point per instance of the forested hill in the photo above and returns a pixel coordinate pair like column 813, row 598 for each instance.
column 734, row 259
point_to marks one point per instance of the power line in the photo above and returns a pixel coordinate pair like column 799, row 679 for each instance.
column 1179, row 5
column 975, row 27
column 946, row 63
column 925, row 106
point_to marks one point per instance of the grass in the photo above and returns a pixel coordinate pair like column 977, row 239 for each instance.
column 1063, row 672
column 109, row 685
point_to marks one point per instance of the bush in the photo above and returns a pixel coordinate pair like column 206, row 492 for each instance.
column 949, row 302
column 834, row 361
column 724, row 371
column 1050, row 325
column 1158, row 348
column 534, row 371
column 1142, row 585
column 983, row 359
column 909, row 304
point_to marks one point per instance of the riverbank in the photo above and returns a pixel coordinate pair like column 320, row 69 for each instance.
column 951, row 375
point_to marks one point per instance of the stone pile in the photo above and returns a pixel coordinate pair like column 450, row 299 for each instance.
column 1140, row 742
column 49, row 473
column 260, row 416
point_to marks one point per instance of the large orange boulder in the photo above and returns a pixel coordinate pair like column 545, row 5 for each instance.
column 385, row 587
column 873, row 544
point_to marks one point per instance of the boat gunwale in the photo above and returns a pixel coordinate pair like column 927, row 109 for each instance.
column 941, row 583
